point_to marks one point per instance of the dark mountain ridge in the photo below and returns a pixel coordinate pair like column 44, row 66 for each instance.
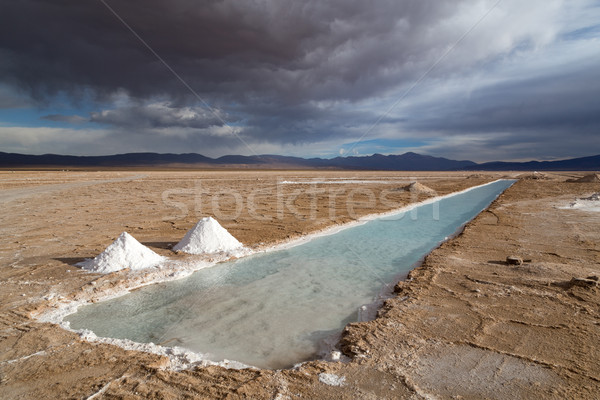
column 402, row 162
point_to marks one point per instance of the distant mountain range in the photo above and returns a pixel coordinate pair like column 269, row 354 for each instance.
column 403, row 162
column 591, row 163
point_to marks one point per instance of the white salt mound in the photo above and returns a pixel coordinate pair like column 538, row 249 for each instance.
column 419, row 188
column 208, row 236
column 125, row 252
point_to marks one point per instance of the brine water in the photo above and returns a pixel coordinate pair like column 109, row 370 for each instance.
column 276, row 309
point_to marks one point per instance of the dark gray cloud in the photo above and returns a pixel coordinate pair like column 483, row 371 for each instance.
column 71, row 119
column 10, row 99
column 561, row 100
column 271, row 50
column 285, row 73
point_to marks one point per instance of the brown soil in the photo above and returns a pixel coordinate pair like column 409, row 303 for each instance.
column 465, row 325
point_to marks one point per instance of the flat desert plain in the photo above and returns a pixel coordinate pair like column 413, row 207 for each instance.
column 465, row 324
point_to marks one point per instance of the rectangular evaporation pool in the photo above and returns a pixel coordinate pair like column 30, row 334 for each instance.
column 275, row 309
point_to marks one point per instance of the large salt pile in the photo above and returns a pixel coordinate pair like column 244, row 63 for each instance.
column 125, row 252
column 419, row 188
column 593, row 178
column 208, row 236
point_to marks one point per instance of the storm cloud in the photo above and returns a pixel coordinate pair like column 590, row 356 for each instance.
column 159, row 115
column 307, row 78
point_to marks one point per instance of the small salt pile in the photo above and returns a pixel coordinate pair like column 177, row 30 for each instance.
column 419, row 188
column 125, row 252
column 208, row 236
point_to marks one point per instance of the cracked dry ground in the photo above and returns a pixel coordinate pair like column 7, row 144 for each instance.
column 465, row 325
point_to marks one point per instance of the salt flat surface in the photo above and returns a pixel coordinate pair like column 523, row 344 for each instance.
column 276, row 309
column 590, row 203
column 332, row 379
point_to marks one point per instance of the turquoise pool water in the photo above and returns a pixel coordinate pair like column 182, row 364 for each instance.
column 276, row 309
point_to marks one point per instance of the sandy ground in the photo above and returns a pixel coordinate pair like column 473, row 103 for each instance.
column 465, row 325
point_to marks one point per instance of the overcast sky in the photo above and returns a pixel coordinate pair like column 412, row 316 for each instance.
column 472, row 79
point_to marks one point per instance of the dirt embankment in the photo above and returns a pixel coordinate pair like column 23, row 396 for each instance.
column 466, row 325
